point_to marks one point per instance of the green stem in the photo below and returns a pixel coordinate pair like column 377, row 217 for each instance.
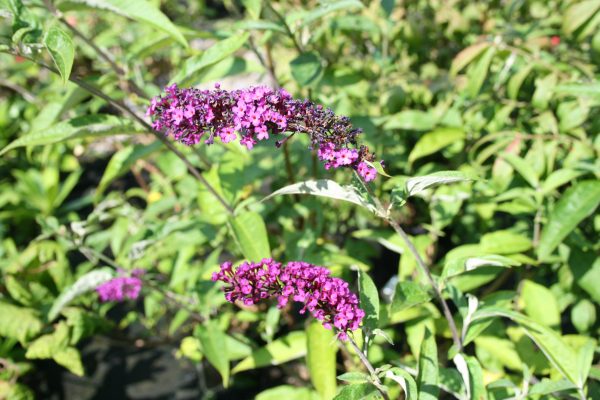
column 366, row 363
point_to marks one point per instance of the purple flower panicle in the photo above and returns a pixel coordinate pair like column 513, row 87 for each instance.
column 254, row 114
column 124, row 286
column 327, row 298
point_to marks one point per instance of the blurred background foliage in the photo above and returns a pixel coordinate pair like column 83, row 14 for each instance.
column 506, row 92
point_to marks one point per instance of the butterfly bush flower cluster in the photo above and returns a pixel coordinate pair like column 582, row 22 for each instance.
column 327, row 298
column 254, row 114
column 124, row 286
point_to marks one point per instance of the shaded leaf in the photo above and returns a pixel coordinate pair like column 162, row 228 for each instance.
column 250, row 232
column 306, row 68
column 428, row 376
column 214, row 347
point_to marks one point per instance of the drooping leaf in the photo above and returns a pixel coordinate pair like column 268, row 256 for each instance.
column 552, row 345
column 85, row 283
column 282, row 350
column 217, row 52
column 428, row 376
column 79, row 127
column 214, row 347
column 250, row 232
column 325, row 188
column 369, row 300
column 404, row 379
column 418, row 184
column 576, row 204
column 61, row 48
column 142, row 11
column 523, row 168
column 321, row 348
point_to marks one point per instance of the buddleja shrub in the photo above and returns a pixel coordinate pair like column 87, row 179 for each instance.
column 136, row 201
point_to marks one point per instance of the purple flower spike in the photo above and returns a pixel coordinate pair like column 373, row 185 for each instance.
column 327, row 298
column 125, row 286
column 254, row 114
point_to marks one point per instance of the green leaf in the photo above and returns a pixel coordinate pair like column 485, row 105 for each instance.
column 360, row 391
column 503, row 350
column 523, row 168
column 559, row 178
column 217, row 52
column 505, row 242
column 46, row 346
column 418, row 184
column 306, row 68
column 250, row 232
column 122, row 161
column 321, row 11
column 583, row 315
column 516, row 81
column 466, row 56
column 476, row 381
column 552, row 345
column 277, row 352
column 409, row 294
column 79, row 127
column 321, row 348
column 325, row 188
column 459, row 265
column 428, row 376
column 369, row 300
column 287, row 392
column 540, row 304
column 142, row 11
column 548, row 387
column 576, row 204
column 85, row 283
column 411, row 120
column 18, row 322
column 61, row 48
column 214, row 347
column 578, row 13
column 71, row 360
column 434, row 141
column 354, row 377
column 404, row 379
column 479, row 71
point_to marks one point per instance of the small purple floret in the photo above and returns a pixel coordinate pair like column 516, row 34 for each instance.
column 124, row 286
column 327, row 298
column 254, row 114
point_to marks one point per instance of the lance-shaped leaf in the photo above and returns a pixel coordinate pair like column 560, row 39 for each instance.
column 321, row 348
column 250, row 232
column 277, row 352
column 61, row 48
